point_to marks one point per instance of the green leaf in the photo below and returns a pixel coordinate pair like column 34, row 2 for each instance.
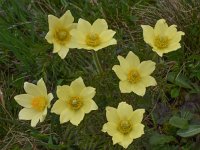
column 175, row 92
column 191, row 131
column 160, row 139
column 178, row 122
column 179, row 80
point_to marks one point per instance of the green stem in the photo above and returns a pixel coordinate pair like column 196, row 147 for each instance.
column 155, row 57
column 153, row 119
column 97, row 62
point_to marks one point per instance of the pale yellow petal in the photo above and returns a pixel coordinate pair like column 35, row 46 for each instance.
column 133, row 59
column 139, row 89
column 126, row 141
column 160, row 27
column 177, row 37
column 42, row 117
column 77, row 86
column 103, row 45
column 119, row 72
column 42, row 86
column 53, row 21
column 125, row 86
column 112, row 114
column 137, row 116
column 158, row 51
column 66, row 115
column 78, row 37
column 99, row 26
column 173, row 47
column 63, row 52
column 148, row 34
column 35, row 120
column 64, row 92
column 83, row 26
column 137, row 131
column 117, row 137
column 77, row 117
column 148, row 81
column 107, row 35
column 32, row 89
column 72, row 44
column 124, row 63
column 110, row 128
column 88, row 93
column 24, row 100
column 50, row 97
column 124, row 110
column 59, row 106
column 72, row 26
column 44, row 113
column 147, row 67
column 56, row 47
column 171, row 31
column 67, row 18
column 86, row 47
column 27, row 113
column 49, row 37
column 89, row 105
column 111, row 42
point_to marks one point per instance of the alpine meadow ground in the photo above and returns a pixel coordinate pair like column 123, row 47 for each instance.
column 162, row 96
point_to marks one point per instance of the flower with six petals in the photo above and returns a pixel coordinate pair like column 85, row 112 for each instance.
column 134, row 76
column 59, row 33
column 124, row 124
column 93, row 37
column 35, row 102
column 74, row 102
column 162, row 38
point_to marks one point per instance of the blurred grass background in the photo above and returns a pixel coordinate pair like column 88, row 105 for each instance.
column 26, row 56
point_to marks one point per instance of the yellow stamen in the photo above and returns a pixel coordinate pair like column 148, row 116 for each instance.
column 92, row 40
column 125, row 127
column 75, row 103
column 134, row 76
column 39, row 103
column 161, row 42
column 62, row 36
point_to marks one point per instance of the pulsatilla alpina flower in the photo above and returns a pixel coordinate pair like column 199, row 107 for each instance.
column 162, row 38
column 134, row 76
column 124, row 124
column 93, row 37
column 59, row 33
column 35, row 102
column 74, row 101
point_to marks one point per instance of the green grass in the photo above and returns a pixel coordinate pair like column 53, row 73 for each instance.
column 26, row 56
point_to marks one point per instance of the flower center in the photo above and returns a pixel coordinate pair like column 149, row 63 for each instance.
column 75, row 103
column 161, row 42
column 62, row 36
column 134, row 76
column 125, row 127
column 39, row 103
column 92, row 40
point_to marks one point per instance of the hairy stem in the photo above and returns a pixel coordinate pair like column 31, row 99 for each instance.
column 97, row 62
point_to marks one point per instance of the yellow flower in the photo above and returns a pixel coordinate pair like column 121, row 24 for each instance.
column 124, row 124
column 161, row 38
column 74, row 102
column 59, row 33
column 134, row 76
column 35, row 102
column 93, row 37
